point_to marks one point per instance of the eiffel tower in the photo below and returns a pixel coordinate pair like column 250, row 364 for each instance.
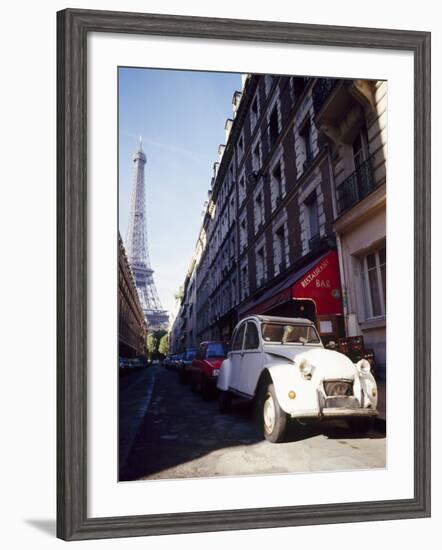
column 156, row 317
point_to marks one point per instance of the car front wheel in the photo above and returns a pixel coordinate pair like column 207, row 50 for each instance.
column 274, row 419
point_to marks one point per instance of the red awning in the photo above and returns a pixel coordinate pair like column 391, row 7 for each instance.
column 322, row 284
column 318, row 281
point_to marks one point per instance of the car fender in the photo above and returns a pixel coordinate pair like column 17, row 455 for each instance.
column 224, row 375
column 369, row 389
column 295, row 394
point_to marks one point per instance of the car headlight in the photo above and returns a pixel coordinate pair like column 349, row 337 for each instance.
column 215, row 372
column 305, row 367
column 363, row 366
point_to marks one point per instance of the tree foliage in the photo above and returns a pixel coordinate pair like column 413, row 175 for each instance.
column 155, row 343
column 163, row 347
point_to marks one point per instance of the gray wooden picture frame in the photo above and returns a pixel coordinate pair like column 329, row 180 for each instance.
column 73, row 27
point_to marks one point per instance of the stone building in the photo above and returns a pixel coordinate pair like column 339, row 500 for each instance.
column 272, row 238
column 354, row 116
column 132, row 330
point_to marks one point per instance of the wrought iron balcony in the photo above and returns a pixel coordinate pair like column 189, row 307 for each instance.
column 356, row 187
column 321, row 90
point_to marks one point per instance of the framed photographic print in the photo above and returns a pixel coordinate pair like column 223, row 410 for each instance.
column 224, row 356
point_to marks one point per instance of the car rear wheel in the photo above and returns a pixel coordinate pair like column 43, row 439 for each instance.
column 274, row 419
column 224, row 402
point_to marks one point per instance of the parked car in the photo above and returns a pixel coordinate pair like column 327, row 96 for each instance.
column 129, row 364
column 281, row 364
column 205, row 367
column 185, row 364
column 176, row 361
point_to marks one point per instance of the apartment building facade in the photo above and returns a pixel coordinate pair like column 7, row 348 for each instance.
column 272, row 237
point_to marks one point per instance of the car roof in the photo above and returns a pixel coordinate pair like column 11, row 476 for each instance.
column 212, row 342
column 274, row 319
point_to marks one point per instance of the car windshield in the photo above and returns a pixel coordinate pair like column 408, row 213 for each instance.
column 289, row 334
column 215, row 349
column 190, row 354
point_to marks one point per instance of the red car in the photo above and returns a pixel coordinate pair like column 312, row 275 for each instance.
column 205, row 367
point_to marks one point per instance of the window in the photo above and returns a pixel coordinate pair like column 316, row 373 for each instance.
column 215, row 349
column 244, row 282
column 268, row 82
column 254, row 113
column 243, row 234
column 260, row 266
column 252, row 338
column 242, row 189
column 259, row 211
column 289, row 334
column 273, row 127
column 276, row 185
column 241, row 145
column 326, row 327
column 359, row 147
column 362, row 172
column 280, row 250
column 306, row 139
column 232, row 247
column 375, row 272
column 256, row 157
column 311, row 205
column 238, row 338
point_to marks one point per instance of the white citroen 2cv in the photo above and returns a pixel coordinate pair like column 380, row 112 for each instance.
column 281, row 364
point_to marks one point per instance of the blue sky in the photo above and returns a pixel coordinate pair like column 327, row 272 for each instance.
column 180, row 116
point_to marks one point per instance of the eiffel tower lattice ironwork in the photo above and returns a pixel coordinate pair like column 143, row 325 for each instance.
column 137, row 250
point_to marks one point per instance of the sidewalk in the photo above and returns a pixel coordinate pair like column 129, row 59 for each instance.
column 135, row 392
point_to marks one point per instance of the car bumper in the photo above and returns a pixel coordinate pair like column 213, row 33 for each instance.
column 335, row 413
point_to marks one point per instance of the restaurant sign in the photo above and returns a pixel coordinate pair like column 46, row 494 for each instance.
column 322, row 284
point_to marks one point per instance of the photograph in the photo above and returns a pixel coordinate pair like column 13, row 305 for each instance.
column 252, row 258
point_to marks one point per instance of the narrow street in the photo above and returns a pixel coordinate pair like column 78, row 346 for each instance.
column 168, row 432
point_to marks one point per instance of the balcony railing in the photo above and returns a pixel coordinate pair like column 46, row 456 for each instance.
column 356, row 187
column 321, row 90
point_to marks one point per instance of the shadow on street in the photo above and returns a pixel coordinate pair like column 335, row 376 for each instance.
column 180, row 427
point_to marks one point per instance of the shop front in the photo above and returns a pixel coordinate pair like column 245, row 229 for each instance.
column 312, row 292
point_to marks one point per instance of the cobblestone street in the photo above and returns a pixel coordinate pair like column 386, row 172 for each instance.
column 167, row 432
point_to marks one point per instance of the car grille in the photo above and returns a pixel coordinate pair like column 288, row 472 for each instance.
column 338, row 388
